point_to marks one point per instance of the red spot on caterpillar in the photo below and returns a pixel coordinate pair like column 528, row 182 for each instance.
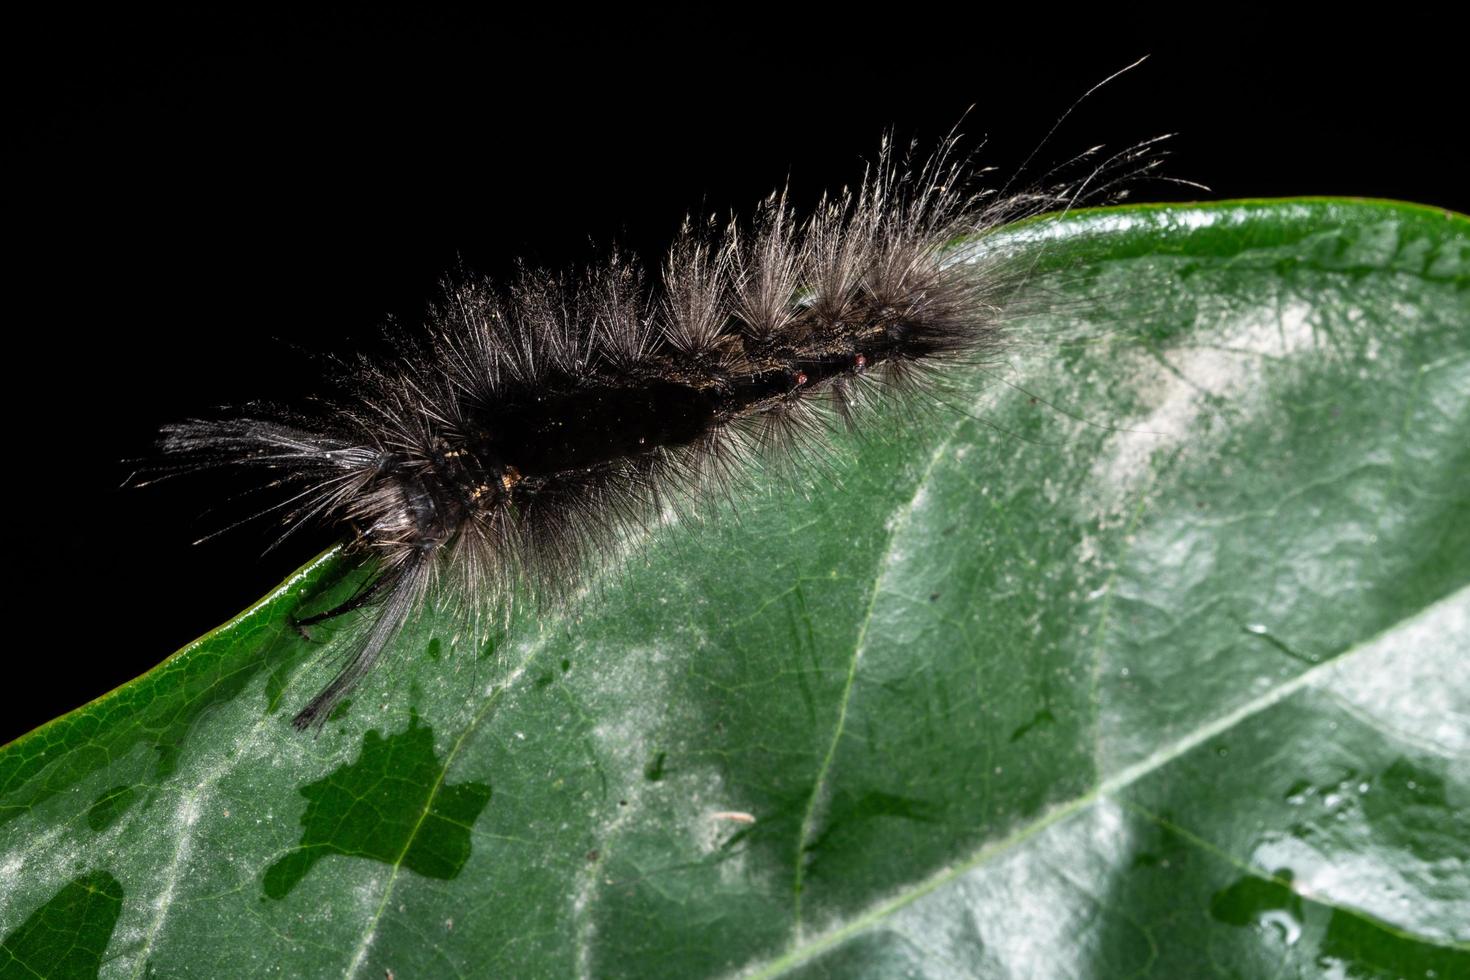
column 860, row 362
column 801, row 377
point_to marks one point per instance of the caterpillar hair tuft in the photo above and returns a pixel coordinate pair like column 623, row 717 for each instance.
column 528, row 427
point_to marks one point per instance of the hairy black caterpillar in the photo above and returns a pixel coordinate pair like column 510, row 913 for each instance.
column 529, row 427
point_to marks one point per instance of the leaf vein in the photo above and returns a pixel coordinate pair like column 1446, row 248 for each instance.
column 1108, row 788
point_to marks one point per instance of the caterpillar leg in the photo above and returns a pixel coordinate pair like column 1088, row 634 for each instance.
column 368, row 593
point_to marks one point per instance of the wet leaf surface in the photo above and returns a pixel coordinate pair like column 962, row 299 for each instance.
column 1147, row 655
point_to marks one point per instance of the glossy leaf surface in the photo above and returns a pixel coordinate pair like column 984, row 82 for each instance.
column 1148, row 655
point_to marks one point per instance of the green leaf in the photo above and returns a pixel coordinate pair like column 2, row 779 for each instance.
column 1148, row 655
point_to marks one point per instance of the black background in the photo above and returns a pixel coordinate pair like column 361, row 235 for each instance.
column 191, row 201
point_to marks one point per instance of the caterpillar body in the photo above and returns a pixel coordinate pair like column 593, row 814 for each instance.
column 528, row 427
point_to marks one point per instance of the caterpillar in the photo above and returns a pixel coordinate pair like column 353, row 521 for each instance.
column 526, row 428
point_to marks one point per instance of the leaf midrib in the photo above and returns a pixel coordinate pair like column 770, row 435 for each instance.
column 1128, row 776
